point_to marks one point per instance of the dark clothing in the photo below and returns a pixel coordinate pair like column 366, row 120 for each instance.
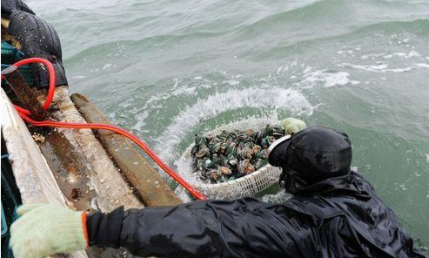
column 10, row 6
column 37, row 38
column 337, row 217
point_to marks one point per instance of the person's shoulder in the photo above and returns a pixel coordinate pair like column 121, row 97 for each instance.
column 361, row 181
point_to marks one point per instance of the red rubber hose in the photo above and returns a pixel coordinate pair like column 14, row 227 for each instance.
column 51, row 71
column 25, row 116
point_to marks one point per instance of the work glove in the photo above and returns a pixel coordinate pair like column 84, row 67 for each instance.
column 292, row 125
column 46, row 229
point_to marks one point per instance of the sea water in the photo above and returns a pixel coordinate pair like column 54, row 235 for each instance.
column 169, row 69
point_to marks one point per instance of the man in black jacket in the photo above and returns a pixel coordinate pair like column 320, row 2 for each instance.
column 334, row 212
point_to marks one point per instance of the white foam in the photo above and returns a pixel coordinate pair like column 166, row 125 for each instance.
column 187, row 90
column 412, row 53
column 422, row 65
column 140, row 117
column 182, row 194
column 372, row 68
column 271, row 99
column 372, row 56
column 78, row 77
column 400, row 54
column 140, row 114
column 184, row 91
column 383, row 68
column 155, row 99
column 327, row 78
column 386, row 56
column 400, row 70
column 231, row 82
column 106, row 66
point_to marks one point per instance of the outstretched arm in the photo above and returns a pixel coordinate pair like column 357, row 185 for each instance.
column 240, row 228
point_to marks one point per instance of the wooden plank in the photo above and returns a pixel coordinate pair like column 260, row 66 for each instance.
column 81, row 166
column 33, row 176
column 79, row 161
column 153, row 190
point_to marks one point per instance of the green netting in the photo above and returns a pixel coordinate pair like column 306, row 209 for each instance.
column 9, row 53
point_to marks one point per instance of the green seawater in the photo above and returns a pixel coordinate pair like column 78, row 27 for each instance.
column 169, row 69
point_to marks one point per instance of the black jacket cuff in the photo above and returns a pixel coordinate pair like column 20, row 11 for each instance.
column 104, row 230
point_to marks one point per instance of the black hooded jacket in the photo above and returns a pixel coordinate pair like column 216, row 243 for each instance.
column 337, row 217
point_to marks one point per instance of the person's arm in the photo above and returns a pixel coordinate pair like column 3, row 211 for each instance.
column 240, row 228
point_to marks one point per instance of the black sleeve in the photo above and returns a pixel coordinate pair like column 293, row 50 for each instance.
column 240, row 228
column 9, row 6
column 38, row 39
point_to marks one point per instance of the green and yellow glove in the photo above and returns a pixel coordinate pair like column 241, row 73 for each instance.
column 292, row 125
column 46, row 229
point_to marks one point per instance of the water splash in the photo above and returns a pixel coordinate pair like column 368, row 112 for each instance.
column 272, row 99
column 278, row 197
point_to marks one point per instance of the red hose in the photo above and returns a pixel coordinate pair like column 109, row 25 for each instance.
column 51, row 71
column 25, row 116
